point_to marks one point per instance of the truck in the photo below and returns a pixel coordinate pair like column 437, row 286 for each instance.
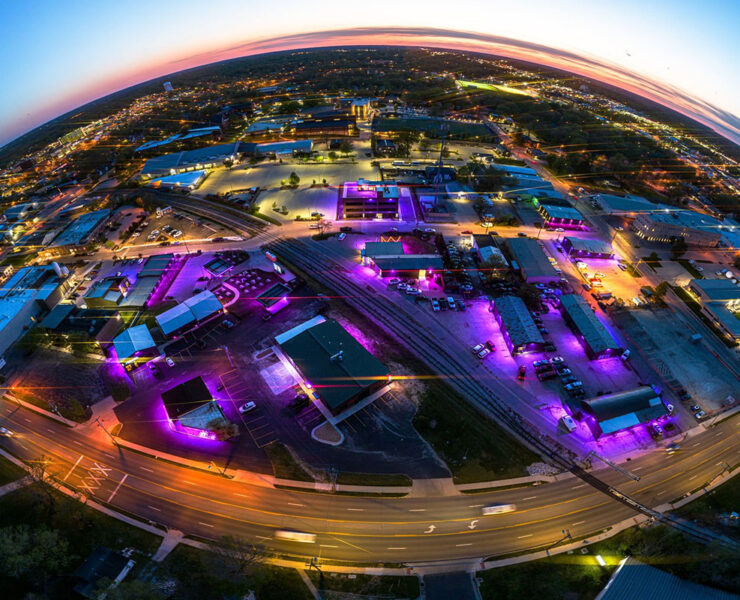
column 601, row 294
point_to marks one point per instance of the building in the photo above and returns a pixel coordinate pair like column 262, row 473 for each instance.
column 135, row 346
column 107, row 293
column 619, row 411
column 102, row 566
column 583, row 248
column 529, row 259
column 385, row 147
column 79, row 233
column 633, row 579
column 189, row 180
column 335, row 125
column 720, row 303
column 155, row 276
column 191, row 409
column 668, row 225
column 517, row 326
column 167, row 86
column 361, row 108
column 190, row 160
column 389, row 259
column 274, row 298
column 283, row 147
column 369, row 200
column 214, row 131
column 24, row 297
column 189, row 313
column 559, row 213
column 333, row 364
column 590, row 331
column 91, row 324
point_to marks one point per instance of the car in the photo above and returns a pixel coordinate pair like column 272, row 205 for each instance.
column 541, row 368
column 543, row 375
column 491, row 345
column 586, row 287
column 170, row 361
column 622, row 266
column 483, row 353
column 521, row 234
column 341, row 236
column 413, row 291
column 695, row 408
column 625, row 355
column 572, row 387
column 477, row 348
column 229, row 324
column 467, row 232
column 700, row 415
column 522, row 373
column 655, row 430
column 435, row 305
column 430, row 230
column 557, row 360
column 460, row 305
column 393, row 282
column 543, row 330
column 565, row 372
column 550, row 347
column 559, row 249
column 699, row 268
column 560, row 230
column 671, row 448
column 497, row 509
column 669, row 407
column 314, row 226
column 540, row 363
column 569, row 379
column 246, row 407
column 451, row 302
column 403, row 286
column 6, row 432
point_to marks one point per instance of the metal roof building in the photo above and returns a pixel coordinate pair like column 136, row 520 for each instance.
column 634, row 579
column 133, row 341
column 335, row 365
column 189, row 312
column 518, row 328
column 587, row 248
column 533, row 264
column 622, row 410
column 81, row 230
column 593, row 335
column 191, row 408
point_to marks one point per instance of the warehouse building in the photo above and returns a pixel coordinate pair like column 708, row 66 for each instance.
column 155, row 276
column 559, row 213
column 189, row 313
column 593, row 335
column 531, row 261
column 191, row 409
column 338, row 125
column 83, row 323
column 108, row 292
column 135, row 346
column 720, row 303
column 615, row 412
column 668, row 225
column 583, row 248
column 389, row 259
column 517, row 326
column 338, row 369
column 79, row 233
column 190, row 160
column 369, row 200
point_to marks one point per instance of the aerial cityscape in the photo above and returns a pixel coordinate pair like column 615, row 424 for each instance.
column 368, row 314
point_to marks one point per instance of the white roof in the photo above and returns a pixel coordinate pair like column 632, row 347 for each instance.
column 192, row 310
column 291, row 333
column 203, row 305
column 133, row 340
column 175, row 318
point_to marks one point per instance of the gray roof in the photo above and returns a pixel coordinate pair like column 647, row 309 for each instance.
column 621, row 410
column 593, row 246
column 410, row 262
column 561, row 212
column 532, row 260
column 517, row 321
column 593, row 331
column 634, row 579
column 77, row 231
column 724, row 315
column 133, row 340
column 182, row 160
column 717, row 289
column 373, row 249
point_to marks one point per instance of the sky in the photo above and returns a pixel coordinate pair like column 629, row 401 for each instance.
column 55, row 56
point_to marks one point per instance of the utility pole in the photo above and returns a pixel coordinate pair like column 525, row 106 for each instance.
column 225, row 348
column 213, row 464
column 99, row 421
column 566, row 536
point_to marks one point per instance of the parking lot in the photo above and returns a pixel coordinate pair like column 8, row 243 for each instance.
column 170, row 228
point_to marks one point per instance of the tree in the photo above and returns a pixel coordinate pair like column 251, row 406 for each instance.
column 32, row 554
column 333, row 155
column 236, row 557
column 39, row 473
column 346, row 146
column 293, row 179
column 135, row 589
column 223, row 428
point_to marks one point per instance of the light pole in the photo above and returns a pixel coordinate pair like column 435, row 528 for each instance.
column 221, row 471
column 99, row 421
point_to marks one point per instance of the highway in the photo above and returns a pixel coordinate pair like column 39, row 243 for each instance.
column 410, row 530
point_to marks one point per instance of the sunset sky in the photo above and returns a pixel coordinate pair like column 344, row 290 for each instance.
column 56, row 56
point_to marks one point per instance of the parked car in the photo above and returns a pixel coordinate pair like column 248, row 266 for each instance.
column 170, row 361
column 543, row 375
column 393, row 282
column 700, row 415
column 695, row 408
column 483, row 353
column 460, row 305
column 539, row 363
column 341, row 236
column 477, row 348
column 413, row 291
column 451, row 302
column 522, row 373
column 435, row 305
column 246, row 407
column 557, row 360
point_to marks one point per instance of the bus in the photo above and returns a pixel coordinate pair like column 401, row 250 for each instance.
column 295, row 536
column 497, row 509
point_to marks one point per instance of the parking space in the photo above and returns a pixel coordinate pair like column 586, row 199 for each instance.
column 256, row 422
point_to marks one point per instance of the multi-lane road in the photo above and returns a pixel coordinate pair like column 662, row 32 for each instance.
column 410, row 530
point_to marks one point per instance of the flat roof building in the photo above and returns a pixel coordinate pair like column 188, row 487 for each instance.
column 720, row 303
column 190, row 160
column 585, row 248
column 667, row 225
column 559, row 213
column 390, row 260
column 107, row 293
column 135, row 345
column 517, row 326
column 334, row 364
column 79, row 232
column 189, row 313
column 593, row 335
column 621, row 410
column 363, row 199
column 531, row 261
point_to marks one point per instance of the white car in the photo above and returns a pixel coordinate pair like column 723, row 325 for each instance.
column 170, row 362
column 246, row 407
column 6, row 432
column 483, row 353
column 560, row 230
column 412, row 291
column 341, row 236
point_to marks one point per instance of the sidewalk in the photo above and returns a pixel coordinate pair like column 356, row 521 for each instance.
column 41, row 411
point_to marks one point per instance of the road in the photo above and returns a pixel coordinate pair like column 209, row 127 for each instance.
column 412, row 531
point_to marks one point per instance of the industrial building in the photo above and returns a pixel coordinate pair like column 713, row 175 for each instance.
column 333, row 125
column 528, row 257
column 557, row 212
column 668, row 225
column 619, row 411
column 389, row 259
column 590, row 331
column 333, row 364
column 189, row 180
column 91, row 324
column 25, row 296
column 515, row 321
column 134, row 346
column 189, row 313
column 157, row 273
column 190, row 160
column 584, row 248
column 79, row 233
column 720, row 303
column 191, row 409
column 369, row 200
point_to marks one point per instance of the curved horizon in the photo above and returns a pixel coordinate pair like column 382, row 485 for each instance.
column 723, row 122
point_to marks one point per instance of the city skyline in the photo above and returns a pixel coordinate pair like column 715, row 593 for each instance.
column 694, row 78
